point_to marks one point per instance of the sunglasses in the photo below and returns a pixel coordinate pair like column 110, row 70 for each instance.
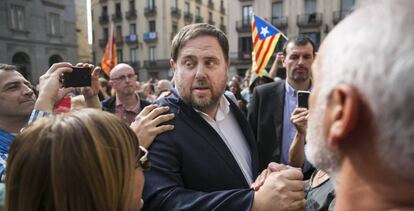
column 143, row 161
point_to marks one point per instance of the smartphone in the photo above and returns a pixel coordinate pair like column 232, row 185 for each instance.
column 303, row 98
column 79, row 77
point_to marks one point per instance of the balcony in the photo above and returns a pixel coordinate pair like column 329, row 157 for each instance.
column 104, row 19
column 211, row 4
column 102, row 1
column 119, row 40
column 309, row 20
column 199, row 19
column 223, row 28
column 102, row 42
column 156, row 64
column 131, row 14
column 134, row 64
column 243, row 26
column 198, row 1
column 131, row 39
column 175, row 12
column 280, row 22
column 223, row 10
column 211, row 22
column 117, row 17
column 150, row 37
column 150, row 11
column 245, row 55
column 188, row 16
column 339, row 15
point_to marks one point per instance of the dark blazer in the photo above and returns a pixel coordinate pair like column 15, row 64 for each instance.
column 109, row 104
column 192, row 168
column 265, row 114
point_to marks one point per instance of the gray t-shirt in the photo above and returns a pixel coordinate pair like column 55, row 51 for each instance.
column 321, row 197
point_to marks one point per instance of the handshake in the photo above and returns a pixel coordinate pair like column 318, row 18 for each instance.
column 279, row 187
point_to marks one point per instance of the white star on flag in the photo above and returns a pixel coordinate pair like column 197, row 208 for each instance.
column 264, row 31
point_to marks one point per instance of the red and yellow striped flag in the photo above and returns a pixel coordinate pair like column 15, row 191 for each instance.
column 265, row 37
column 109, row 59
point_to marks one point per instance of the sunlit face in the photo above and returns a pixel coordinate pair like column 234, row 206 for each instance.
column 16, row 96
column 298, row 62
column 123, row 80
column 201, row 72
column 317, row 151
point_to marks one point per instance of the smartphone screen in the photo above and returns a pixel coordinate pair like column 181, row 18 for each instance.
column 79, row 77
column 303, row 98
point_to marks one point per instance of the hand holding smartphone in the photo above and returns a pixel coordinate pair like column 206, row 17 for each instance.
column 79, row 77
column 303, row 99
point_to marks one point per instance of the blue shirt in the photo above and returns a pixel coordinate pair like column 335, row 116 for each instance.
column 6, row 139
column 289, row 130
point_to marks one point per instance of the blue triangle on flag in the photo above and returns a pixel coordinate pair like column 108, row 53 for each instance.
column 264, row 29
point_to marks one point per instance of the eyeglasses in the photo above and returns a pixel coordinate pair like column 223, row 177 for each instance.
column 124, row 77
column 143, row 160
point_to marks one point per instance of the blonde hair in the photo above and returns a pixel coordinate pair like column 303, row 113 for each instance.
column 83, row 160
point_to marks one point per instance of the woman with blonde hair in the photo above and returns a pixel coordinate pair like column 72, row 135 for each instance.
column 83, row 160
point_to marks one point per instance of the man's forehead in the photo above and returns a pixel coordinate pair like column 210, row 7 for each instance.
column 7, row 77
column 299, row 49
column 121, row 71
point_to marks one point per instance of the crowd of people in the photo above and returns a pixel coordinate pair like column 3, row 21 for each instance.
column 206, row 142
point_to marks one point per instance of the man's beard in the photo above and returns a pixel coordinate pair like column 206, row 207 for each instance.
column 317, row 151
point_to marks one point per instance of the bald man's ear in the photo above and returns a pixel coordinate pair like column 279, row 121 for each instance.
column 342, row 114
column 173, row 65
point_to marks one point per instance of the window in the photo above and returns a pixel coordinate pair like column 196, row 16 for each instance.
column 54, row 24
column 118, row 8
column 132, row 28
column 246, row 14
column 119, row 55
column 104, row 10
column 221, row 20
column 174, row 3
column 118, row 31
column 17, row 17
column 347, row 5
column 105, row 33
column 221, row 4
column 187, row 7
column 197, row 11
column 152, row 26
column 210, row 16
column 310, row 6
column 174, row 27
column 152, row 56
column 133, row 55
column 151, row 4
column 277, row 9
column 245, row 47
column 131, row 5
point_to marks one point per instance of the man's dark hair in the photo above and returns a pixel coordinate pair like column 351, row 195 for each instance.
column 8, row 67
column 301, row 40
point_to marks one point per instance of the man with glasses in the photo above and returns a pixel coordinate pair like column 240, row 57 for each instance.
column 126, row 104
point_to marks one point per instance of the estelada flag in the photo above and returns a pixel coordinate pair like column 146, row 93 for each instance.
column 109, row 59
column 265, row 37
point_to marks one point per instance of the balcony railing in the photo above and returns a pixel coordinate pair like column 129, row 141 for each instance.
column 223, row 10
column 223, row 28
column 117, row 17
column 339, row 15
column 310, row 20
column 280, row 22
column 211, row 22
column 103, row 19
column 150, row 36
column 199, row 19
column 159, row 63
column 150, row 11
column 211, row 4
column 131, row 39
column 243, row 26
column 188, row 16
column 175, row 12
column 245, row 55
column 134, row 64
column 131, row 14
column 119, row 40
